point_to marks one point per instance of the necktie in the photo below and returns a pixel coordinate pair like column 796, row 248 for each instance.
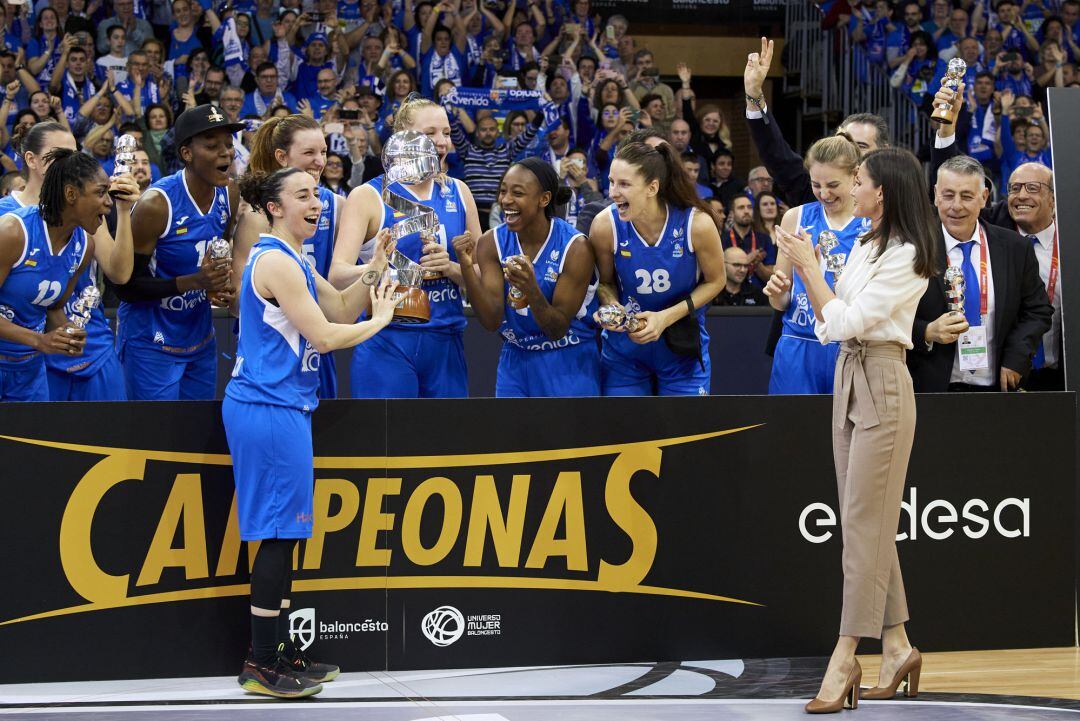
column 972, row 292
column 1040, row 355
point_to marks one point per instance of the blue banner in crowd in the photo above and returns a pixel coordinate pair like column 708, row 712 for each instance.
column 505, row 99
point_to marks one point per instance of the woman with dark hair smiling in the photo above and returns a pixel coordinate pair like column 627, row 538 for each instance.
column 871, row 313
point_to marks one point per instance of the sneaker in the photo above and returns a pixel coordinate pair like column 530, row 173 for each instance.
column 277, row 680
column 302, row 666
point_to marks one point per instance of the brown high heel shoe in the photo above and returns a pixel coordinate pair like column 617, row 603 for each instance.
column 908, row 675
column 848, row 699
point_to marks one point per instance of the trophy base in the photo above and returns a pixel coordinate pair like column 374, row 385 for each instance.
column 413, row 307
column 517, row 303
column 945, row 117
column 431, row 275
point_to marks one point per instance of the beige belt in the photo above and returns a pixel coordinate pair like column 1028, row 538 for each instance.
column 853, row 377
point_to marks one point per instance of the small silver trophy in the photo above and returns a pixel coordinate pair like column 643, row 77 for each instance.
column 410, row 157
column 219, row 249
column 614, row 317
column 834, row 262
column 954, row 289
column 515, row 297
column 124, row 154
column 954, row 75
column 84, row 307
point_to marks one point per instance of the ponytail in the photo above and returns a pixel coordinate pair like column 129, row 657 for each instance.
column 410, row 107
column 66, row 167
column 275, row 134
column 260, row 189
column 663, row 163
column 32, row 139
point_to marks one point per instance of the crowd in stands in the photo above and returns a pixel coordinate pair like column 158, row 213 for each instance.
column 1013, row 49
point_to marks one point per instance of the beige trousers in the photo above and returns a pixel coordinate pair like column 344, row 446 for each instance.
column 873, row 429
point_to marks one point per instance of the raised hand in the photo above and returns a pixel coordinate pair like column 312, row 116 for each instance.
column 465, row 247
column 757, row 69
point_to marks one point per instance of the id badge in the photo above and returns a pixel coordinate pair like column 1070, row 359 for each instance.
column 973, row 356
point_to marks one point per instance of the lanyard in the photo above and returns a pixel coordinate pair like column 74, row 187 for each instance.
column 735, row 241
column 1051, row 282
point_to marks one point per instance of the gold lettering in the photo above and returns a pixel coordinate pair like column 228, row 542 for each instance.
column 325, row 489
column 565, row 502
column 374, row 520
column 185, row 503
column 506, row 531
column 630, row 517
column 76, row 554
column 414, row 512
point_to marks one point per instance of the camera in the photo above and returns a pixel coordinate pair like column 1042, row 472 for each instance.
column 1010, row 57
column 316, row 16
column 1023, row 111
column 650, row 72
column 352, row 114
column 635, row 115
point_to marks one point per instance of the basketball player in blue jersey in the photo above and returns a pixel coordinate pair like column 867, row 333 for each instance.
column 294, row 141
column 424, row 360
column 659, row 257
column 549, row 345
column 165, row 333
column 801, row 364
column 289, row 315
column 95, row 375
column 43, row 249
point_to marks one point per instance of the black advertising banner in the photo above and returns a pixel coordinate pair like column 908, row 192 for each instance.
column 501, row 533
column 693, row 12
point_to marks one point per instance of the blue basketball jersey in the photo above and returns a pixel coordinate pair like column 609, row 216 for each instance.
column 275, row 365
column 36, row 280
column 519, row 328
column 798, row 318
column 319, row 248
column 655, row 277
column 179, row 324
column 8, row 203
column 447, row 314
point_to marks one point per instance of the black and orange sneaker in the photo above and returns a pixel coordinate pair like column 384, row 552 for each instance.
column 304, row 667
column 278, row 680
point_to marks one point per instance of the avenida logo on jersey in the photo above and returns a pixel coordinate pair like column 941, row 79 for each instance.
column 303, row 628
column 446, row 625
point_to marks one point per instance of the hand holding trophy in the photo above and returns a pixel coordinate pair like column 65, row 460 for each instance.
column 124, row 154
column 954, row 76
column 614, row 317
column 83, row 308
column 954, row 289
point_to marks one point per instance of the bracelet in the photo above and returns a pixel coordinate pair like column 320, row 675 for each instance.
column 690, row 305
column 758, row 101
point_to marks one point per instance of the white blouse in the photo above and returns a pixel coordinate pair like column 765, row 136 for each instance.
column 875, row 298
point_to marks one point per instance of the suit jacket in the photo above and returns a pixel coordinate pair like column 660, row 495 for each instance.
column 1022, row 313
column 997, row 214
column 790, row 178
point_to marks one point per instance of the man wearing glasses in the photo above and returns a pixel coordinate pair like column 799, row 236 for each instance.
column 266, row 94
column 1031, row 206
column 737, row 291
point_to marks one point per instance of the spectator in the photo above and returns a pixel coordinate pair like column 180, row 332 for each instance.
column 709, row 132
column 938, row 24
column 956, row 30
column 870, row 30
column 116, row 59
column 1031, row 205
column 719, row 213
column 193, row 75
column 71, row 80
column 692, row 165
column 725, row 184
column 44, row 51
column 11, row 182
column 364, row 164
column 574, row 173
column 443, row 56
column 1015, row 36
column 918, row 68
column 326, row 96
column 899, row 40
column 741, row 234
column 335, row 172
column 184, row 38
column 737, row 291
column 653, row 107
column 137, row 29
column 647, row 82
column 11, row 159
column 157, row 119
column 1035, row 148
column 267, row 94
column 26, row 84
column 214, row 82
column 766, row 213
column 1014, row 74
column 759, row 181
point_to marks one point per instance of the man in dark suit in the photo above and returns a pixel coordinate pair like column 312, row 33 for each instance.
column 945, row 147
column 1005, row 310
column 791, row 179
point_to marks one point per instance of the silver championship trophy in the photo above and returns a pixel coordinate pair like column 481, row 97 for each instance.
column 83, row 308
column 954, row 289
column 219, row 249
column 614, row 317
column 954, row 75
column 124, row 154
column 410, row 157
column 834, row 262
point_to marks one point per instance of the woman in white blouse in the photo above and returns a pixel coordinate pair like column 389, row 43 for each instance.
column 871, row 313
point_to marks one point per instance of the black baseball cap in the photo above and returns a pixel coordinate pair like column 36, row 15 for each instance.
column 201, row 119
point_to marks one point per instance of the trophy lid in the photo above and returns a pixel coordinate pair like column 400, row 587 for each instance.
column 954, row 275
column 90, row 297
column 126, row 144
column 957, row 66
column 410, row 157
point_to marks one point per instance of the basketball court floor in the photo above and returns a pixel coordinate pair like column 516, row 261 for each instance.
column 991, row 685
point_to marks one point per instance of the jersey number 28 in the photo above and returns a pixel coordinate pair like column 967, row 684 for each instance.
column 659, row 281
